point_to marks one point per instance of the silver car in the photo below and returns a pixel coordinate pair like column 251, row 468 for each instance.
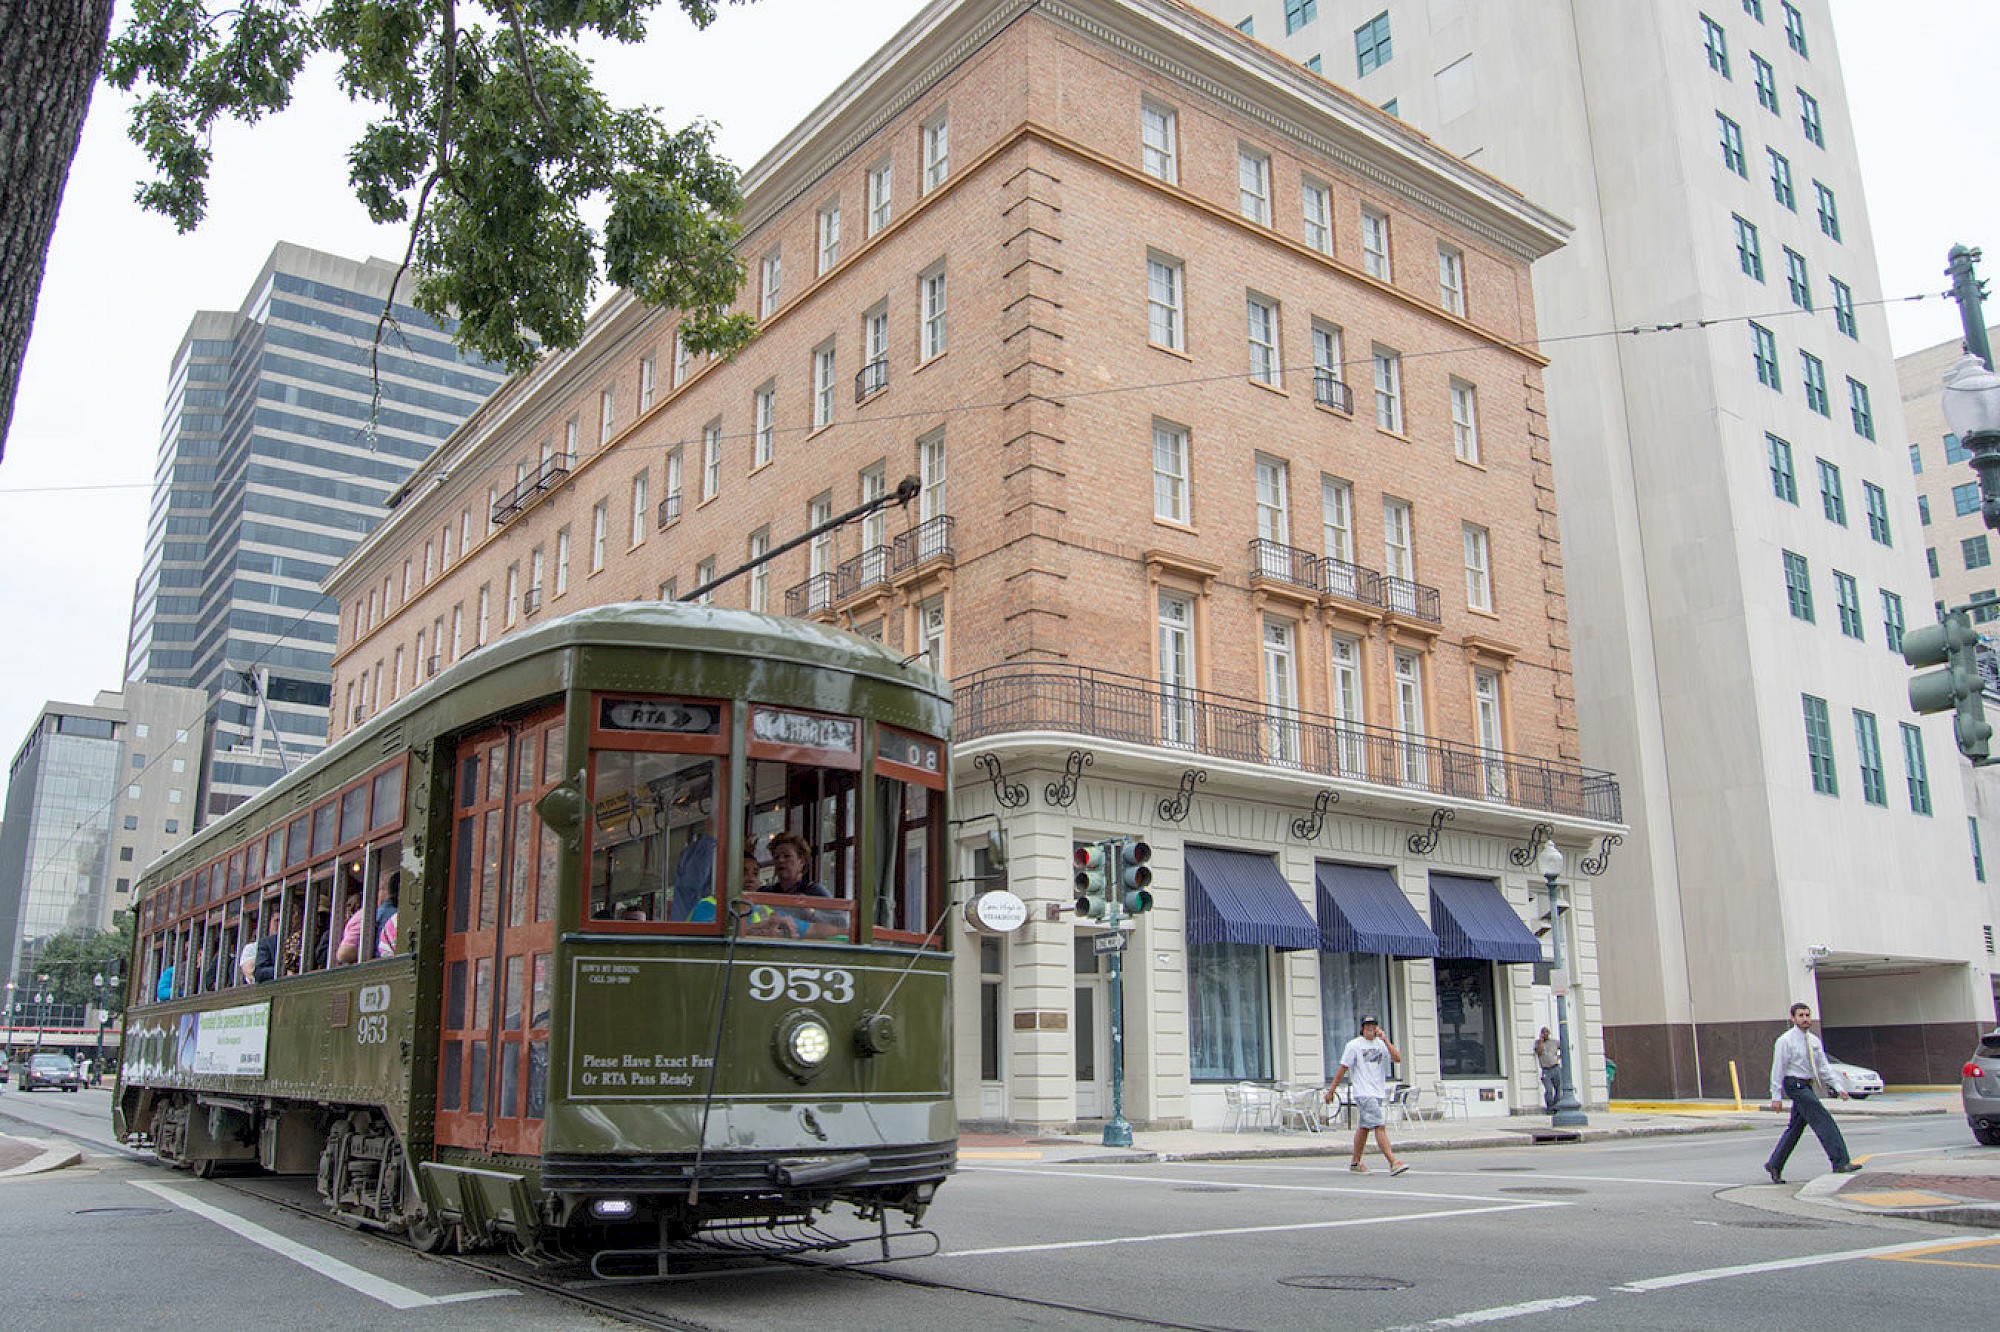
column 1980, row 1082
column 1861, row 1083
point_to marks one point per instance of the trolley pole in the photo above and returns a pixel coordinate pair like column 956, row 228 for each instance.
column 1117, row 1132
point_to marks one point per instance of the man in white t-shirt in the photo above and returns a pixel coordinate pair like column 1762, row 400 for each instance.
column 1366, row 1062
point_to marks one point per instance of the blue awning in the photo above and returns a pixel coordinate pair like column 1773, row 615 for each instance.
column 1361, row 910
column 1472, row 919
column 1237, row 897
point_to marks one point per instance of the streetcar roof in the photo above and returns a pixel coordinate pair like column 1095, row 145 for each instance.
column 643, row 624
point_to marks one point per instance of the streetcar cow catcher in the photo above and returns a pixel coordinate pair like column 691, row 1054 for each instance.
column 623, row 937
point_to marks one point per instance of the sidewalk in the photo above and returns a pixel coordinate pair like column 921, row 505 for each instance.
column 1961, row 1191
column 31, row 1156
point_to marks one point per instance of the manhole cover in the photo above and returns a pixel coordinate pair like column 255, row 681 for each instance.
column 122, row 1211
column 1544, row 1191
column 1205, row 1188
column 1345, row 1283
column 1503, row 1170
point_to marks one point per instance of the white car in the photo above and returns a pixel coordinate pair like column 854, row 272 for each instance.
column 1861, row 1083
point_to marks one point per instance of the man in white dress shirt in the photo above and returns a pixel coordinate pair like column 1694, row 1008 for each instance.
column 1797, row 1061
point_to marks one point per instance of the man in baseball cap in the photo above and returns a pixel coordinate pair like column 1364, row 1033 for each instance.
column 1367, row 1061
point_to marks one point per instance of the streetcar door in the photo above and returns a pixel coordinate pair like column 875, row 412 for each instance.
column 493, row 1056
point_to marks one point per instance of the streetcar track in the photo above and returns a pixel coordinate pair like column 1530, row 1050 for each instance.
column 489, row 1267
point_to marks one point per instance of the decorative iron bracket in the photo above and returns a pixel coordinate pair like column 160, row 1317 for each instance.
column 1307, row 826
column 1597, row 864
column 1425, row 842
column 1174, row 808
column 1011, row 795
column 1063, row 793
column 1524, row 856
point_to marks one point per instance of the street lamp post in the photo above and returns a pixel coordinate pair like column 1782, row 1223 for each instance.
column 97, row 1066
column 1972, row 410
column 42, row 1002
column 1568, row 1113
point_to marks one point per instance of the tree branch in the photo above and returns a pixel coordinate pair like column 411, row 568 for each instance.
column 527, row 70
column 440, row 163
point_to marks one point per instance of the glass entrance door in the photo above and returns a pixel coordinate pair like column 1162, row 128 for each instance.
column 493, row 1055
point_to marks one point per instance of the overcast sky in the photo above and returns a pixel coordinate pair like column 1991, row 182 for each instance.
column 121, row 285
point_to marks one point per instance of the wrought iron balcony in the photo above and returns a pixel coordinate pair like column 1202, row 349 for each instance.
column 1350, row 582
column 815, row 594
column 544, row 477
column 871, row 379
column 1330, row 392
column 866, row 570
column 1101, row 704
column 927, row 541
column 1418, row 601
column 1284, row 564
column 670, row 509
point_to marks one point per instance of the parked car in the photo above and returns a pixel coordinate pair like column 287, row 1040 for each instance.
column 1861, row 1083
column 1980, row 1084
column 49, row 1070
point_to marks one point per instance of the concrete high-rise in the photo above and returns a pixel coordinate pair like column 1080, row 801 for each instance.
column 1738, row 522
column 276, row 456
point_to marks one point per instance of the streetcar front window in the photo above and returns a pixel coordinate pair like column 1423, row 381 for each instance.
column 655, row 825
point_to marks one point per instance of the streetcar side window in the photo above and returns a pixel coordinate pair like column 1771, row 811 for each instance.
column 655, row 825
column 908, row 850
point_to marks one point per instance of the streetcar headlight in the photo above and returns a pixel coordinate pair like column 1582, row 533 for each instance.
column 810, row 1042
column 802, row 1044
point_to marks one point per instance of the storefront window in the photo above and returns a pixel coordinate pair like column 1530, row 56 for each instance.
column 1350, row 985
column 1229, row 1001
column 1468, row 1019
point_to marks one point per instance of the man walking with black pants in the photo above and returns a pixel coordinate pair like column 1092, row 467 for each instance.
column 1797, row 1060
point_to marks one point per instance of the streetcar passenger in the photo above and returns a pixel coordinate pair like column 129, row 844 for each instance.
column 791, row 854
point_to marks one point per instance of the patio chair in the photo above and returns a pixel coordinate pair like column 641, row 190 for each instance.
column 1302, row 1106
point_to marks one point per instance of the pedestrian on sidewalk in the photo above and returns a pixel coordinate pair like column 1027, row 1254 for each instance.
column 1549, row 1055
column 1798, row 1062
column 1366, row 1061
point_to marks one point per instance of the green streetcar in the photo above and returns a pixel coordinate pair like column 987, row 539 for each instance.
column 588, row 1010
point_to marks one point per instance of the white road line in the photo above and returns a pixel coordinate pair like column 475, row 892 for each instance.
column 1389, row 1189
column 388, row 1292
column 1506, row 1311
column 1224, row 1232
column 1777, row 1265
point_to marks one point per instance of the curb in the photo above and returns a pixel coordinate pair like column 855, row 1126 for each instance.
column 1337, row 1144
column 1825, row 1192
column 54, row 1156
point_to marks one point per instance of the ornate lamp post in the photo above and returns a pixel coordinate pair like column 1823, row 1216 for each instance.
column 103, row 1017
column 1568, row 1113
column 42, row 1002
column 1972, row 410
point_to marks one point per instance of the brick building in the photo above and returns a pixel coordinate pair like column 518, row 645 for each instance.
column 1234, row 527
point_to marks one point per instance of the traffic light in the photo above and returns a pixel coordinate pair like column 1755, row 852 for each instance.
column 1093, row 879
column 1953, row 643
column 1134, row 875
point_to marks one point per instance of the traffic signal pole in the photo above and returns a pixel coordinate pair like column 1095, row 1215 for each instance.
column 1112, row 882
column 1953, row 644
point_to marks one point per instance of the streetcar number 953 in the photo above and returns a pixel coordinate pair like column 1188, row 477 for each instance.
column 371, row 1029
column 802, row 985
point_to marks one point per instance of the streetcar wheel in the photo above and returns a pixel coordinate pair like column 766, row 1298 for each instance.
column 202, row 1167
column 427, row 1236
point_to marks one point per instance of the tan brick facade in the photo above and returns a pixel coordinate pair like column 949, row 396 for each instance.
column 1046, row 395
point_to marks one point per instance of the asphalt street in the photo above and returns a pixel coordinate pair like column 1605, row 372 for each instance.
column 1657, row 1232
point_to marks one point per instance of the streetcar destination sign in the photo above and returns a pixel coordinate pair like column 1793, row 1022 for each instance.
column 659, row 714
